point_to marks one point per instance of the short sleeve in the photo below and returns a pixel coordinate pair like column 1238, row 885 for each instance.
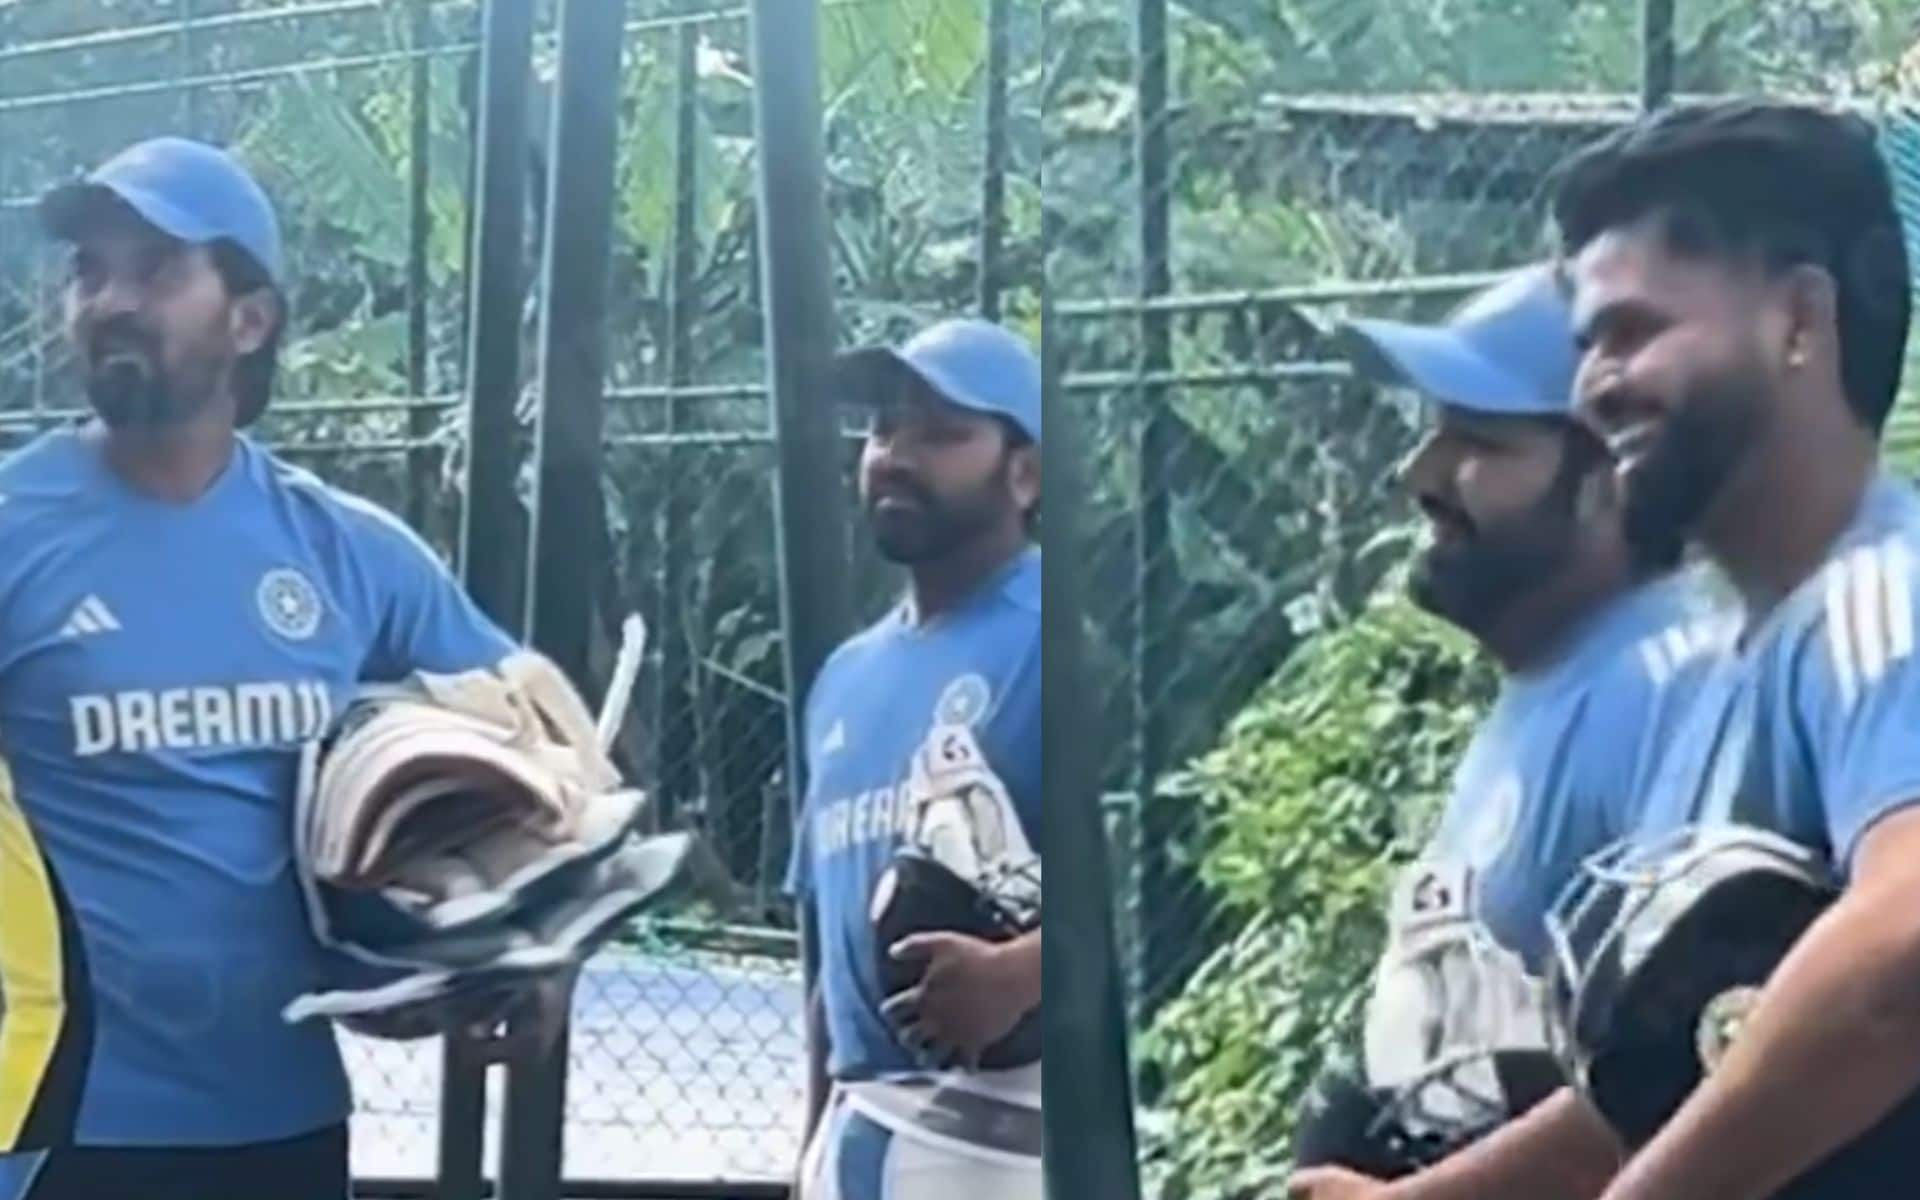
column 1024, row 772
column 1855, row 693
column 425, row 621
column 799, row 881
column 1011, row 733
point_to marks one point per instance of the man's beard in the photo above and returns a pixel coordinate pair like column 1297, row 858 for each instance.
column 1473, row 582
column 129, row 389
column 1698, row 449
column 934, row 528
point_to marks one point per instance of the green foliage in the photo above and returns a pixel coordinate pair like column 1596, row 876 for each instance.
column 1338, row 46
column 1319, row 790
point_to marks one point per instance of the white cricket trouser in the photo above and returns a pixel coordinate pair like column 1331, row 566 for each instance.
column 952, row 1137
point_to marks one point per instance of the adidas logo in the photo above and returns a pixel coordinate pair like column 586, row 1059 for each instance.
column 90, row 616
column 836, row 739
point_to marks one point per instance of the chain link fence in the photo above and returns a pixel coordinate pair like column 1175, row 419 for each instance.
column 359, row 117
column 1226, row 181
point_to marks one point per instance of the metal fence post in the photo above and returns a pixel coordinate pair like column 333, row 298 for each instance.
column 1089, row 1095
column 993, row 186
column 488, row 557
column 797, row 300
column 1167, row 940
column 679, row 746
column 569, row 508
column 569, row 532
column 1656, row 53
column 419, row 229
column 189, row 62
column 491, row 560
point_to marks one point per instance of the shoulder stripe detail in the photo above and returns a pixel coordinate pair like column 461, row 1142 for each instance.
column 1664, row 653
column 1866, row 597
column 1839, row 637
column 1899, row 586
column 1658, row 659
column 1869, row 615
column 1679, row 645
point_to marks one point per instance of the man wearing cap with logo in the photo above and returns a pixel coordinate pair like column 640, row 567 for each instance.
column 179, row 613
column 1596, row 641
column 919, row 1086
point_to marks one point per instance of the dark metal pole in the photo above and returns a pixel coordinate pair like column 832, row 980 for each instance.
column 568, row 504
column 1656, row 53
column 533, row 1133
column 798, row 308
column 993, row 197
column 487, row 553
column 1090, row 1148
column 467, row 94
column 463, row 1120
column 569, row 517
column 679, row 748
column 1167, row 936
column 419, row 230
column 490, row 556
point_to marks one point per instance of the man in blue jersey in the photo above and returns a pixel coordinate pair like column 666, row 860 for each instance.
column 1741, row 288
column 1595, row 639
column 1741, row 297
column 950, row 485
column 179, row 612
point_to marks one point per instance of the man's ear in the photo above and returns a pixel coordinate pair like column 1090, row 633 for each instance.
column 1023, row 475
column 1813, row 313
column 253, row 320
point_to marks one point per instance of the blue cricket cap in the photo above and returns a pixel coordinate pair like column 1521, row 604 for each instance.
column 186, row 189
column 1508, row 351
column 971, row 363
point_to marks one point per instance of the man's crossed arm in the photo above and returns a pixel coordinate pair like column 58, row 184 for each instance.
column 1561, row 1149
column 1832, row 1045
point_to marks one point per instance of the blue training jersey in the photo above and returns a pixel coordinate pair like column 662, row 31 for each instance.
column 160, row 666
column 1810, row 724
column 873, row 705
column 1561, row 763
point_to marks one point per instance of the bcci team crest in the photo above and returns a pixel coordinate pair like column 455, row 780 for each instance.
column 964, row 702
column 1720, row 1024
column 289, row 604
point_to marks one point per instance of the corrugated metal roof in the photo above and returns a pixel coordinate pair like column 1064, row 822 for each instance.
column 1534, row 109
